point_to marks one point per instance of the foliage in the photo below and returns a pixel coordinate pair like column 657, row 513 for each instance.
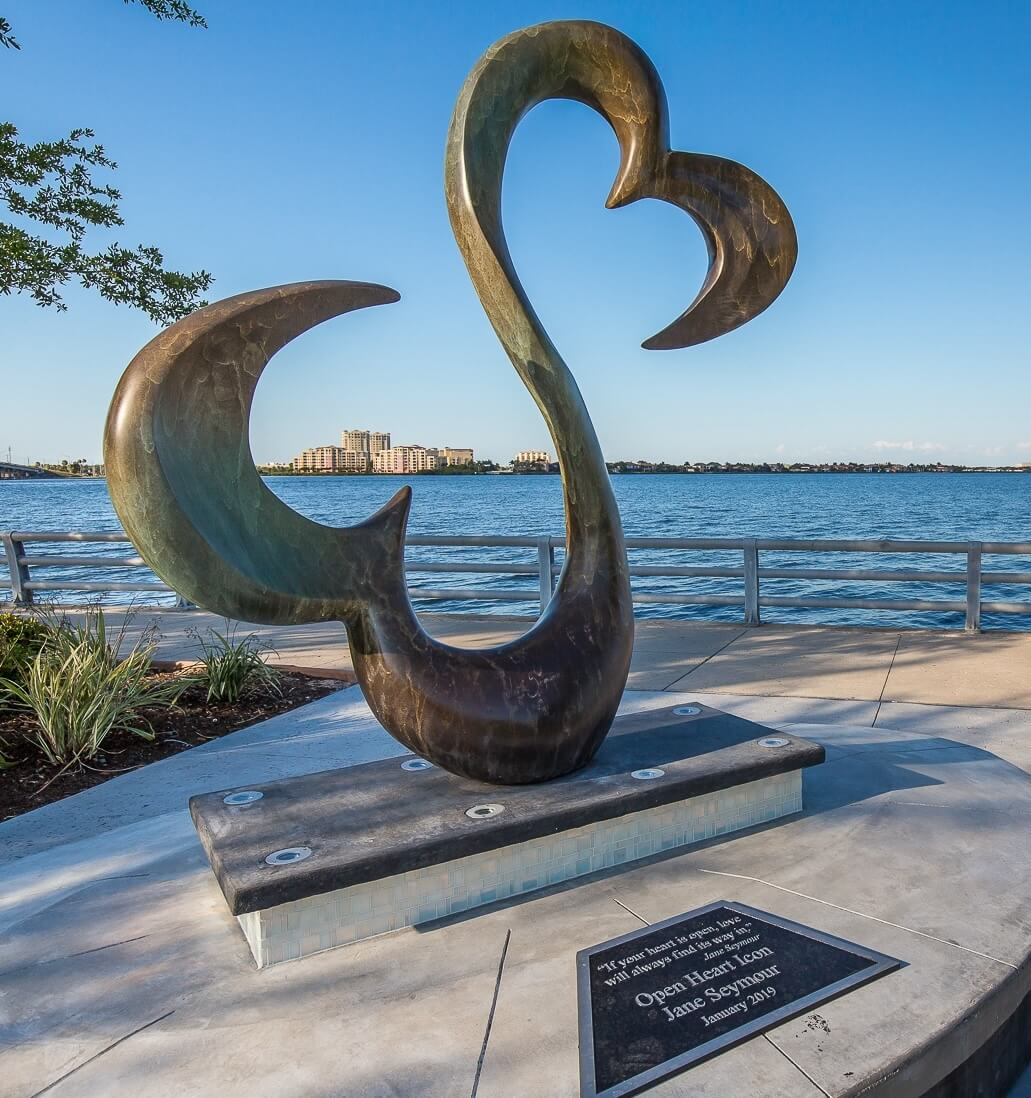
column 80, row 689
column 231, row 666
column 6, row 37
column 21, row 638
column 49, row 184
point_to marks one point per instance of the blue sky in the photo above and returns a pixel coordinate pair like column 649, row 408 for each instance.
column 305, row 140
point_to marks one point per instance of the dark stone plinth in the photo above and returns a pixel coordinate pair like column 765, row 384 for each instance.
column 367, row 822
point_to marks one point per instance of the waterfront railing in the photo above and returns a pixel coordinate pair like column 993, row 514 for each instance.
column 29, row 571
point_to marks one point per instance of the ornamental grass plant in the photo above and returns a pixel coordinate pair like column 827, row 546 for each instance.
column 232, row 666
column 21, row 638
column 80, row 688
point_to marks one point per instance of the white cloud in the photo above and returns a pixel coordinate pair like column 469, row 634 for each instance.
column 1024, row 445
column 779, row 448
column 909, row 446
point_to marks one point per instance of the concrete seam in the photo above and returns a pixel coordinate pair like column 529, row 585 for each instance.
column 880, row 698
column 943, row 705
column 69, row 956
column 630, row 911
column 97, row 1055
column 733, row 640
column 796, row 1066
column 861, row 915
column 490, row 1015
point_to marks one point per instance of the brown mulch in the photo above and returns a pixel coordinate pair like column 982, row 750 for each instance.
column 31, row 781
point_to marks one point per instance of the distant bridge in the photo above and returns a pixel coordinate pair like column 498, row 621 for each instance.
column 9, row 471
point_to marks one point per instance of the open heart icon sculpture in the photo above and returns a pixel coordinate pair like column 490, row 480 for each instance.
column 183, row 480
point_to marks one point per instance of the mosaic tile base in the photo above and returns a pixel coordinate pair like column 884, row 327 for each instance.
column 303, row 927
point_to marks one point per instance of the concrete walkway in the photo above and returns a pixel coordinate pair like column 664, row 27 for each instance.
column 121, row 970
column 883, row 666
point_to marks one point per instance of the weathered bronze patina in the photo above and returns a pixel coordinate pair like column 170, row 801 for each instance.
column 183, row 481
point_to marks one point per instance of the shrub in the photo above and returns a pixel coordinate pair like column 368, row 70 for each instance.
column 80, row 689
column 21, row 638
column 231, row 667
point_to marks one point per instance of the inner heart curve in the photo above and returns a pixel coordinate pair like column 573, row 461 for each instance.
column 183, row 481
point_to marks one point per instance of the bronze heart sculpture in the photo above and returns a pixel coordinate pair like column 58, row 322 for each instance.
column 183, row 480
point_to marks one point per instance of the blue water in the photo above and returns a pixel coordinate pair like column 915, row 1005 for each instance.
column 942, row 507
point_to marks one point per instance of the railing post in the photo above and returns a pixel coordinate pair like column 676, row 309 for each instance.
column 545, row 566
column 19, row 570
column 751, row 582
column 974, row 587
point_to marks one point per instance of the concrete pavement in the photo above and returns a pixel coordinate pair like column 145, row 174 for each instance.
column 121, row 970
column 988, row 670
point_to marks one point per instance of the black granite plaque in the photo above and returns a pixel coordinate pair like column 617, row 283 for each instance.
column 662, row 998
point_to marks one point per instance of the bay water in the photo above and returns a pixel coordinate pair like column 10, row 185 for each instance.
column 938, row 507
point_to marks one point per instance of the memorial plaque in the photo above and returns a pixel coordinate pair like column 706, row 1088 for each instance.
column 662, row 998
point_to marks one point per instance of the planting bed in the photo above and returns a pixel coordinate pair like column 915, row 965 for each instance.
column 30, row 781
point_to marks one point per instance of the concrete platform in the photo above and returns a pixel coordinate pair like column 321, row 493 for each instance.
column 316, row 861
column 121, row 971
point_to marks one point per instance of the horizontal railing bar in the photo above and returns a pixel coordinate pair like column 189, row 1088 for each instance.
column 1006, row 607
column 812, row 545
column 46, row 585
column 84, row 562
column 502, row 568
column 947, row 605
column 69, row 536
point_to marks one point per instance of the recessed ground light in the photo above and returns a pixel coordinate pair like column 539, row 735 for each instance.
column 648, row 772
column 773, row 741
column 288, row 856
column 416, row 764
column 687, row 711
column 245, row 796
column 484, row 811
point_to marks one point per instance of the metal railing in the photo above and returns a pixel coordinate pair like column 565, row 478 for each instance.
column 23, row 581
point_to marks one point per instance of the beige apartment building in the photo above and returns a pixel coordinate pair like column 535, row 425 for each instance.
column 532, row 457
column 405, row 459
column 331, row 459
column 456, row 455
column 370, row 451
column 366, row 442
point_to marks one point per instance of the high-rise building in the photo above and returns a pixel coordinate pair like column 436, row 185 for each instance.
column 355, row 439
column 404, row 459
column 364, row 441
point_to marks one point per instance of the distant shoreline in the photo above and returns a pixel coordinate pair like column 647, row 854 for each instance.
column 899, row 471
column 618, row 469
column 733, row 471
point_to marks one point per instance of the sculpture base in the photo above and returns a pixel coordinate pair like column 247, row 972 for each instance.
column 327, row 859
